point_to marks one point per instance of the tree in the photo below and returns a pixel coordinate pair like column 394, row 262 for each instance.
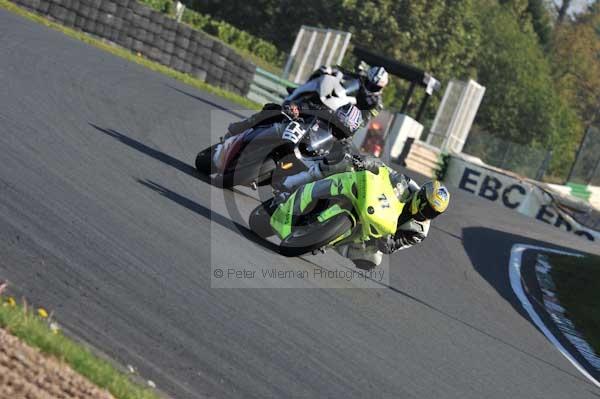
column 576, row 55
column 576, row 66
column 500, row 43
column 561, row 10
column 532, row 15
column 439, row 36
column 521, row 103
column 541, row 20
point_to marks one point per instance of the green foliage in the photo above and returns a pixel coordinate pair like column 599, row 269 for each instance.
column 521, row 103
column 443, row 164
column 159, row 5
column 440, row 36
column 167, row 7
column 575, row 52
column 541, row 20
column 501, row 43
column 229, row 34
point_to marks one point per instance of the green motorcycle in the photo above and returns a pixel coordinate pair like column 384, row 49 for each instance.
column 349, row 207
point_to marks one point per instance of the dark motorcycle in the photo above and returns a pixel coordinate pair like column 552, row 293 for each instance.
column 266, row 154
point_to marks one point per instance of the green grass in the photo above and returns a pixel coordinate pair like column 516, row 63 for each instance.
column 128, row 55
column 23, row 323
column 577, row 283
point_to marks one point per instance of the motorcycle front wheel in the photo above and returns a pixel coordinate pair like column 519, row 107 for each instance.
column 260, row 219
column 305, row 239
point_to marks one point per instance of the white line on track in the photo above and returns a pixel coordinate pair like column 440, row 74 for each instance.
column 514, row 269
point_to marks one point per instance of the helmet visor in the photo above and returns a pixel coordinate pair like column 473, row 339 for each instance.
column 372, row 87
column 424, row 211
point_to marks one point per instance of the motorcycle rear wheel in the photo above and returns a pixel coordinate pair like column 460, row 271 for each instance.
column 204, row 160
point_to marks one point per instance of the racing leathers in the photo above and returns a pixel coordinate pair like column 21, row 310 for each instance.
column 370, row 103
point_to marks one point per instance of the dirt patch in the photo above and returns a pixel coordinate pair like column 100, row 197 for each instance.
column 25, row 373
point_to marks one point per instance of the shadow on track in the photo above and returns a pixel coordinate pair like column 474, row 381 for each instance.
column 235, row 226
column 489, row 252
column 164, row 158
column 151, row 152
column 208, row 102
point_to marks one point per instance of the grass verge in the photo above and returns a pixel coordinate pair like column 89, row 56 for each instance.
column 128, row 55
column 577, row 283
column 35, row 331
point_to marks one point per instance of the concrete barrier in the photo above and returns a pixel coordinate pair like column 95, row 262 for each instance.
column 423, row 158
column 528, row 197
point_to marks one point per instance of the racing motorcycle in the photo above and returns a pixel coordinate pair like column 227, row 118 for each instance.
column 329, row 90
column 349, row 207
column 268, row 154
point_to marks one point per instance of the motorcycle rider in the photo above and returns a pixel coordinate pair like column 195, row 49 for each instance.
column 368, row 100
column 369, row 97
column 423, row 203
column 350, row 118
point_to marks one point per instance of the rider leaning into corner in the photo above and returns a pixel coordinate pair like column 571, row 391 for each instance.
column 423, row 203
column 368, row 100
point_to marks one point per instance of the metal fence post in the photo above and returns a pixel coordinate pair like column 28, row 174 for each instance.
column 583, row 140
column 505, row 154
column 544, row 166
column 179, row 10
column 589, row 180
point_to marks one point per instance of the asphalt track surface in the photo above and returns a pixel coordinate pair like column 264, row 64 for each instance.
column 103, row 221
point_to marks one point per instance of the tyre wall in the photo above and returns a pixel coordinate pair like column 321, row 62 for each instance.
column 154, row 35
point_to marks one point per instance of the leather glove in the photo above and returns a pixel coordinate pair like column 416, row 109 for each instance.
column 387, row 245
column 392, row 244
column 356, row 160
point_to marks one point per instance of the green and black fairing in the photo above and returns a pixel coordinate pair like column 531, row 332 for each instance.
column 367, row 198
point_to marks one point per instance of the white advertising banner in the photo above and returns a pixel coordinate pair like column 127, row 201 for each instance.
column 520, row 195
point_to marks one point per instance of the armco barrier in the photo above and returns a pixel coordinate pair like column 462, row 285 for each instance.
column 154, row 35
column 267, row 87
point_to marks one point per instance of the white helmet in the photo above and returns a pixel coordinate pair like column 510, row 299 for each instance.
column 377, row 79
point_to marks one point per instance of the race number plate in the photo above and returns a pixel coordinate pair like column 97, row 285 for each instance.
column 293, row 132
